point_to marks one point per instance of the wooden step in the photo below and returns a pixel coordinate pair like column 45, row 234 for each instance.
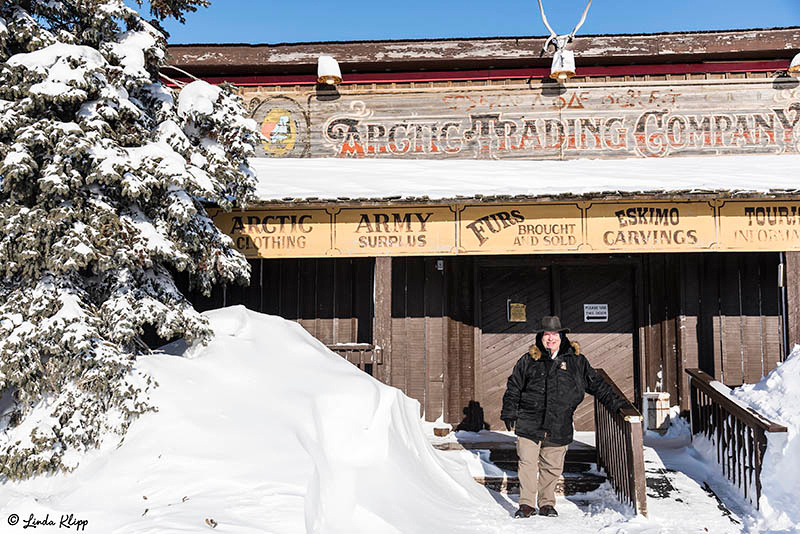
column 568, row 484
column 506, row 452
column 509, row 455
column 569, row 467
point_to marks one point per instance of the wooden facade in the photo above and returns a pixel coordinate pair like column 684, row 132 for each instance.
column 436, row 320
column 449, row 340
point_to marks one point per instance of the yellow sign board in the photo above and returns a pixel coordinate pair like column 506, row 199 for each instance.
column 395, row 231
column 284, row 233
column 650, row 226
column 516, row 228
column 759, row 225
column 520, row 228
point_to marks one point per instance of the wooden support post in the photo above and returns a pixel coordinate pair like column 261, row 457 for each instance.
column 382, row 328
column 636, row 464
column 792, row 281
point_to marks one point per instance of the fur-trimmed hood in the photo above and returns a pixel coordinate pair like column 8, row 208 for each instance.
column 536, row 353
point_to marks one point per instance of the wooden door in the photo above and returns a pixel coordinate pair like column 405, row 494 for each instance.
column 502, row 342
column 607, row 344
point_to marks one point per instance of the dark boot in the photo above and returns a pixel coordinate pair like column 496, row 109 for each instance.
column 548, row 511
column 525, row 511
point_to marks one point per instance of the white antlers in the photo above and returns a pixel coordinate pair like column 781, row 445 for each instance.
column 559, row 42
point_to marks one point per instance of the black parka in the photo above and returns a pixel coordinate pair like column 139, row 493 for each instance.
column 542, row 394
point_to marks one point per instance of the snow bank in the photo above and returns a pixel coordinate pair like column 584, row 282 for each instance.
column 777, row 397
column 263, row 430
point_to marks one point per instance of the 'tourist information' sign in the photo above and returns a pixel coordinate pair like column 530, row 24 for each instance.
column 516, row 228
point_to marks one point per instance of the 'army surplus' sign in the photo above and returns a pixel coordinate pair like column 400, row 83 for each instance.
column 520, row 228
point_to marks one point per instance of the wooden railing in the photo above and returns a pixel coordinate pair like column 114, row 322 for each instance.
column 363, row 355
column 620, row 450
column 736, row 431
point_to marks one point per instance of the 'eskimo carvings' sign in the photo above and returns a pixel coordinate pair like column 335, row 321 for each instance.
column 648, row 119
column 518, row 228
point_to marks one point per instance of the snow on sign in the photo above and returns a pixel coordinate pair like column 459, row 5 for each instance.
column 595, row 313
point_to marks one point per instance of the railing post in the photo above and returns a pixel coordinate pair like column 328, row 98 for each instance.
column 760, row 450
column 636, row 463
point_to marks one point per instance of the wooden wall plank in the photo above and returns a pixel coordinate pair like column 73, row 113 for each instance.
column 654, row 299
column 710, row 315
column 365, row 275
column 285, row 285
column 770, row 311
column 793, row 296
column 399, row 335
column 307, row 282
column 415, row 355
column 688, row 324
column 753, row 339
column 434, row 340
column 344, row 326
column 671, row 290
column 731, row 320
column 461, row 311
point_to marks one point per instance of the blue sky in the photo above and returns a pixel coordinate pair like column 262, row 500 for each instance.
column 276, row 21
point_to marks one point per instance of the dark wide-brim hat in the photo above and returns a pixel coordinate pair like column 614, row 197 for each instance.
column 551, row 323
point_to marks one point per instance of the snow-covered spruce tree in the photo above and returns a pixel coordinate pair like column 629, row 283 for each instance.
column 104, row 174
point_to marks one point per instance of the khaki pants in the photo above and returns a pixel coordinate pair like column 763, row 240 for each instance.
column 540, row 465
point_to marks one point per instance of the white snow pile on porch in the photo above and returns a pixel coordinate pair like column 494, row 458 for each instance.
column 266, row 430
column 777, row 397
column 339, row 178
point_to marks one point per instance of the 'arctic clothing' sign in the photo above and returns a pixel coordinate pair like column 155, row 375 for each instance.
column 651, row 119
column 516, row 228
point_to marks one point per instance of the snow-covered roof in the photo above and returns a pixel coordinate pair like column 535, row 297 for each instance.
column 333, row 179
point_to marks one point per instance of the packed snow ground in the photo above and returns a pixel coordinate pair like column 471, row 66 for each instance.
column 265, row 430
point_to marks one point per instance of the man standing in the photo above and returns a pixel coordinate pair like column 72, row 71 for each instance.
column 543, row 391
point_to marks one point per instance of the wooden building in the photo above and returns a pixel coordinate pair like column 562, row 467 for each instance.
column 647, row 201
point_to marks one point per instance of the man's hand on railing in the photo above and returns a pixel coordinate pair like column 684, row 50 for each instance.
column 509, row 424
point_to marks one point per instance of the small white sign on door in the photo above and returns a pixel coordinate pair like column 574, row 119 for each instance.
column 595, row 313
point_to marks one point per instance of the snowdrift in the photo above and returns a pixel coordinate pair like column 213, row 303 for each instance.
column 263, row 430
column 777, row 397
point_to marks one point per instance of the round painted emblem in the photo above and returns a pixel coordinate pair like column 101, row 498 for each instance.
column 280, row 132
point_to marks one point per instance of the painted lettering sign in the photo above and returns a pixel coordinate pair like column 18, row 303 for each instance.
column 395, row 231
column 520, row 229
column 280, row 233
column 517, row 228
column 648, row 120
column 643, row 226
column 760, row 225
